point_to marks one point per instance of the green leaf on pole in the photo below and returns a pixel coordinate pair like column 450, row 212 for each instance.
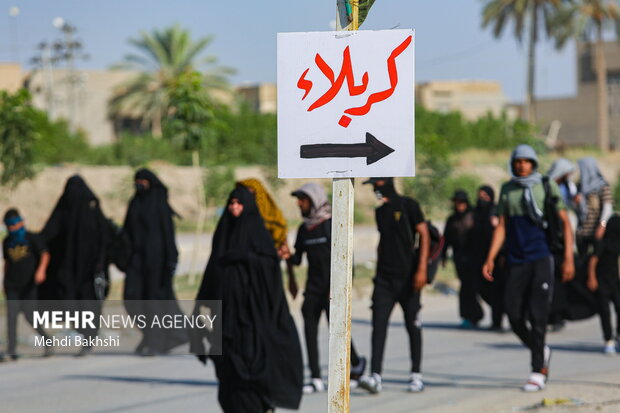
column 364, row 8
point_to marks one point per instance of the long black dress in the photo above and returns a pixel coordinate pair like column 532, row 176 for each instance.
column 77, row 235
column 261, row 363
column 149, row 275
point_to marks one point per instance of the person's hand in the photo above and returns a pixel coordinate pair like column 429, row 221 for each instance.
column 292, row 288
column 600, row 232
column 487, row 270
column 421, row 277
column 172, row 267
column 592, row 283
column 39, row 277
column 284, row 252
column 568, row 270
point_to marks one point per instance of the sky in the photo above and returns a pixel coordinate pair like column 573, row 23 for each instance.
column 450, row 43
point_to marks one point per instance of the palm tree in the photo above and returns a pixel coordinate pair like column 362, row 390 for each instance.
column 163, row 56
column 523, row 13
column 587, row 20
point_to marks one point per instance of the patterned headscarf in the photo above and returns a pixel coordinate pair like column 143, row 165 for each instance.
column 269, row 211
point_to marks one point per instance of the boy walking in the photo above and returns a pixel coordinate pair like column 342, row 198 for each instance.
column 25, row 263
column 530, row 274
column 314, row 239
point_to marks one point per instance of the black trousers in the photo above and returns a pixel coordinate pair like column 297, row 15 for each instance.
column 312, row 308
column 17, row 302
column 492, row 292
column 384, row 298
column 604, row 295
column 529, row 288
column 469, row 306
column 559, row 301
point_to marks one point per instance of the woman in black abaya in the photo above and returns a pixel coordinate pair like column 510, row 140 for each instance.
column 261, row 364
column 154, row 256
column 77, row 235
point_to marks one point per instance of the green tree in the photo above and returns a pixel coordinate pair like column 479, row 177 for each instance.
column 524, row 14
column 17, row 136
column 587, row 20
column 191, row 119
column 163, row 56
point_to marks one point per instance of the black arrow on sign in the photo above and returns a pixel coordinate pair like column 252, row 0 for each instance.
column 373, row 150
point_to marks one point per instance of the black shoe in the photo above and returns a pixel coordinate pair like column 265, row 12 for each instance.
column 555, row 327
column 14, row 357
column 497, row 328
column 358, row 370
column 84, row 351
column 48, row 352
column 140, row 349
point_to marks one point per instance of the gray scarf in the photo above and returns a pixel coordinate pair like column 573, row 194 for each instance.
column 590, row 180
column 527, row 183
column 321, row 210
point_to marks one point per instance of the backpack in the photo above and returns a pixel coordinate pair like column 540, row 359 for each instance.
column 437, row 242
column 555, row 227
column 434, row 254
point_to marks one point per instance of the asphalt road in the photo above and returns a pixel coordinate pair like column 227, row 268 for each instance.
column 464, row 371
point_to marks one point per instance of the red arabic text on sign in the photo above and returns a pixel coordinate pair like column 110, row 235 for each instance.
column 346, row 72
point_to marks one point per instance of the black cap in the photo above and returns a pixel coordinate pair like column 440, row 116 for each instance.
column 375, row 179
column 460, row 196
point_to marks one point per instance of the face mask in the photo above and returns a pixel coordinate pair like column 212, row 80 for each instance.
column 18, row 232
column 483, row 204
column 17, row 237
column 385, row 191
column 140, row 187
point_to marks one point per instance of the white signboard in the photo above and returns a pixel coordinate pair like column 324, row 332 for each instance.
column 346, row 104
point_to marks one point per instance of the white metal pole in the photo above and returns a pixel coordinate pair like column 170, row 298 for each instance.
column 341, row 275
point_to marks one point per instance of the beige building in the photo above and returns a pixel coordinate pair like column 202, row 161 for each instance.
column 83, row 101
column 577, row 116
column 262, row 98
column 11, row 77
column 473, row 98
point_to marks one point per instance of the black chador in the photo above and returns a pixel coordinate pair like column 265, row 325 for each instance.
column 458, row 234
column 485, row 221
column 261, row 363
column 77, row 235
column 154, row 256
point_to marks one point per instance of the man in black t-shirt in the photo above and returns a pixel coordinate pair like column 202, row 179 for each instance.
column 401, row 275
column 314, row 239
column 25, row 262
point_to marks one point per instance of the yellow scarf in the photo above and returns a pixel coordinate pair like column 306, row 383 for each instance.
column 274, row 220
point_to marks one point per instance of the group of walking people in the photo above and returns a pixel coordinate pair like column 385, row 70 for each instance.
column 523, row 257
column 68, row 261
column 516, row 255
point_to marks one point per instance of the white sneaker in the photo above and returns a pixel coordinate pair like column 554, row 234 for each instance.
column 315, row 386
column 416, row 385
column 610, row 348
column 536, row 382
column 371, row 383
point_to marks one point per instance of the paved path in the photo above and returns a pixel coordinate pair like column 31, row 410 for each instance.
column 465, row 371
